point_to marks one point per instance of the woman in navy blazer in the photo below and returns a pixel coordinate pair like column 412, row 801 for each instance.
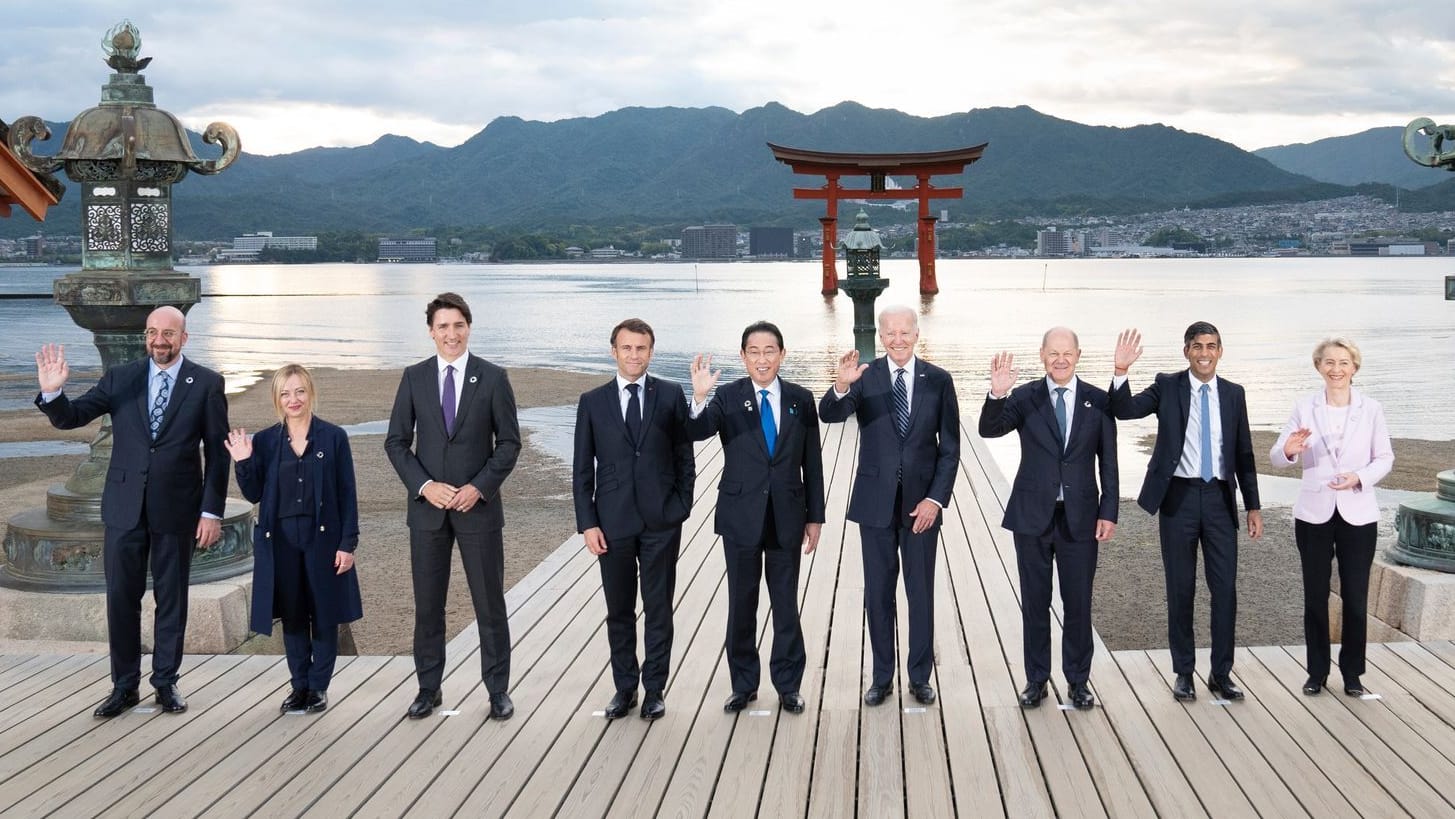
column 306, row 533
column 1339, row 437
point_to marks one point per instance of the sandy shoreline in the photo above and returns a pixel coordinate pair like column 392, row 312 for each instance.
column 1129, row 597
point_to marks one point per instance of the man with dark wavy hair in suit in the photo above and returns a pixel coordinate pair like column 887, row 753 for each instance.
column 453, row 438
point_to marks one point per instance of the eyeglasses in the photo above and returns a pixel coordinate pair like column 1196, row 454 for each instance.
column 169, row 335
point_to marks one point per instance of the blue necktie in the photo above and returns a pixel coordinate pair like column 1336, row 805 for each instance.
column 159, row 406
column 447, row 399
column 1207, row 468
column 901, row 405
column 770, row 427
column 1061, row 413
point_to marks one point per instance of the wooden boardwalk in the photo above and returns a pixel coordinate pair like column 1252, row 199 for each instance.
column 973, row 754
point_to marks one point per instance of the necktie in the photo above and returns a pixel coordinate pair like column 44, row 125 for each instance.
column 634, row 413
column 770, row 427
column 447, row 399
column 159, row 406
column 1061, row 413
column 901, row 404
column 1207, row 469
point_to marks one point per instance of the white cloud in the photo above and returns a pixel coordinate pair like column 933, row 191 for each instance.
column 291, row 74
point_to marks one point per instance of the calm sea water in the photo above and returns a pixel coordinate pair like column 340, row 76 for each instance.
column 1270, row 311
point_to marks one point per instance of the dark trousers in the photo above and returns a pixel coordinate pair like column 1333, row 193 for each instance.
column 310, row 643
column 483, row 555
column 746, row 564
column 1319, row 544
column 1197, row 511
column 127, row 555
column 1075, row 561
column 653, row 557
column 884, row 551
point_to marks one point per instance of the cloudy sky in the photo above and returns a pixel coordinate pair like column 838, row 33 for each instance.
column 291, row 74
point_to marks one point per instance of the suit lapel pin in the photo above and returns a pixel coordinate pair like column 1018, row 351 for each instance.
column 473, row 379
column 1086, row 404
column 320, row 453
column 748, row 404
column 793, row 409
column 189, row 379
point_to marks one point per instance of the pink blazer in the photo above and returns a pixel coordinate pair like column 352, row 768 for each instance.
column 1366, row 452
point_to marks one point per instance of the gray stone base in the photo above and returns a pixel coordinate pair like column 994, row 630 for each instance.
column 1405, row 603
column 217, row 616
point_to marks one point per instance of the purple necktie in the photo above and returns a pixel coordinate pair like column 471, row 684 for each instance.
column 447, row 399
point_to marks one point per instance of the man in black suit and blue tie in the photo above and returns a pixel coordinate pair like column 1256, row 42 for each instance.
column 1055, row 511
column 769, row 501
column 632, row 479
column 453, row 438
column 909, row 451
column 162, row 496
column 1204, row 452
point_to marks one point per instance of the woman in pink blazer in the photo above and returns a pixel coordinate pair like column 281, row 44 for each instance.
column 1339, row 437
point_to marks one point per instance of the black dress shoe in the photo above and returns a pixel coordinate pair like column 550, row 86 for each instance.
column 1182, row 690
column 170, row 699
column 1314, row 686
column 792, row 702
column 654, row 706
column 501, row 707
column 317, row 701
column 622, row 703
column 1032, row 694
column 424, row 703
column 295, row 701
column 1353, row 687
column 1080, row 695
column 738, row 701
column 1224, row 688
column 877, row 694
column 923, row 693
column 116, row 702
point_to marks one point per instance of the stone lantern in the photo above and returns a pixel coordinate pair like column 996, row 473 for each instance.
column 1426, row 527
column 125, row 154
column 864, row 284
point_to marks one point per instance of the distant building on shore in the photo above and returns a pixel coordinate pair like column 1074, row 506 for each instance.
column 408, row 250
column 770, row 242
column 1053, row 242
column 1384, row 247
column 247, row 247
column 710, row 242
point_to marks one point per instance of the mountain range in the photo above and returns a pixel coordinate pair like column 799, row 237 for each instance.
column 679, row 166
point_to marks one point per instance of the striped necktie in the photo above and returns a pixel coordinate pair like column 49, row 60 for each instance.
column 901, row 404
column 159, row 406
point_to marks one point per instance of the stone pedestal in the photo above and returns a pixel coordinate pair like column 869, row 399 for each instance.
column 217, row 616
column 58, row 548
column 1405, row 603
column 1427, row 528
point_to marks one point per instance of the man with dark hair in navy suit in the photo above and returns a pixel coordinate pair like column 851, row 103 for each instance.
column 909, row 452
column 1204, row 452
column 769, row 501
column 160, row 497
column 632, row 479
column 453, row 438
column 1056, row 512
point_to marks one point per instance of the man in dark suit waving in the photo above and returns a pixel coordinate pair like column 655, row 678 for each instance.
column 632, row 480
column 453, row 438
column 1055, row 511
column 769, row 501
column 909, row 450
column 159, row 497
column 1204, row 452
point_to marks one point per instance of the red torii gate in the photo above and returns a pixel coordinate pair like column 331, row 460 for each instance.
column 877, row 167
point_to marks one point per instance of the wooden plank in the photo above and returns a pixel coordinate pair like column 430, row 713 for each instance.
column 1370, row 748
column 1225, row 737
column 928, row 791
column 295, row 775
column 1444, row 649
column 1389, row 679
column 45, row 748
column 38, row 693
column 270, row 733
column 95, row 784
column 1432, row 681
